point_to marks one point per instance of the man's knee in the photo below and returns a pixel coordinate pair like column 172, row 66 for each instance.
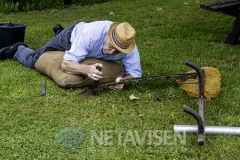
column 26, row 56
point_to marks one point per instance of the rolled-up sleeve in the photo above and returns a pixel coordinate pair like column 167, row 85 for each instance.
column 131, row 63
column 78, row 50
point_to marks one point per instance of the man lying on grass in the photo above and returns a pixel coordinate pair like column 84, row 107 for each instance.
column 104, row 40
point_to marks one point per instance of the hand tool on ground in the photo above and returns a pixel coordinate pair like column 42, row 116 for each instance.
column 43, row 88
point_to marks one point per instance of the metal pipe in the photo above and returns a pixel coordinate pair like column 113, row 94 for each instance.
column 208, row 129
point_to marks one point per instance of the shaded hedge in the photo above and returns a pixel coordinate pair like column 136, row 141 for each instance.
column 7, row 6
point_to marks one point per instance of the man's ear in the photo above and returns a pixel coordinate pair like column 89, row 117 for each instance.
column 107, row 34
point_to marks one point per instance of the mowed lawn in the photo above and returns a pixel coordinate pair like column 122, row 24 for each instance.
column 111, row 125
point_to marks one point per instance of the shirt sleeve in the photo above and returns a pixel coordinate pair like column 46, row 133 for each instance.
column 78, row 50
column 131, row 63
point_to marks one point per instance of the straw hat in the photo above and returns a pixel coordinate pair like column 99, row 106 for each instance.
column 121, row 36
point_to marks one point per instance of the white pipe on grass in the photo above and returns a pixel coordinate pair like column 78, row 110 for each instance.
column 208, row 129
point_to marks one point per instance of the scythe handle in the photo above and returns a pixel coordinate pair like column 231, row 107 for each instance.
column 201, row 127
column 198, row 116
column 200, row 73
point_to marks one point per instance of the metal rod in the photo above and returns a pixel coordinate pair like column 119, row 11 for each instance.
column 200, row 73
column 208, row 129
column 200, row 115
column 43, row 88
column 195, row 114
column 182, row 76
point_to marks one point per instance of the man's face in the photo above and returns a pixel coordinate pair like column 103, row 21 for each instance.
column 108, row 47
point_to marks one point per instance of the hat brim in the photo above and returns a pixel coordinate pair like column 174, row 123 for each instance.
column 126, row 51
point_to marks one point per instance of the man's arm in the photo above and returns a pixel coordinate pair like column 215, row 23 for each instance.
column 118, row 79
column 73, row 67
column 131, row 63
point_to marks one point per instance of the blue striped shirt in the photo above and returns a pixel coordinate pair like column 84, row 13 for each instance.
column 87, row 41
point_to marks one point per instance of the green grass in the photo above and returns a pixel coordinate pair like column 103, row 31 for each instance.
column 165, row 38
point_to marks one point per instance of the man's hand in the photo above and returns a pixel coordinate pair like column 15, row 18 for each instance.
column 118, row 80
column 93, row 72
column 116, row 87
column 73, row 67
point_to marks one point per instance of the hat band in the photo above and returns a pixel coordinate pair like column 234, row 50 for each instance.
column 115, row 40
